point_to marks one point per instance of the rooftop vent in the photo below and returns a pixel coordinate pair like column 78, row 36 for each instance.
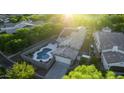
column 115, row 49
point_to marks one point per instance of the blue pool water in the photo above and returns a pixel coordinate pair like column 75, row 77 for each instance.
column 43, row 54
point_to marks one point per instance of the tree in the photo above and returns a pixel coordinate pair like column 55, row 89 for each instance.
column 110, row 75
column 21, row 71
column 90, row 72
column 22, row 33
column 84, row 72
column 14, row 45
column 18, row 18
column 14, row 19
column 120, row 77
column 36, row 17
column 2, row 70
column 44, row 31
column 23, row 18
column 11, row 43
column 3, row 39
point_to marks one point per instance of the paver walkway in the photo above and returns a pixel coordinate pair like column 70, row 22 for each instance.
column 57, row 71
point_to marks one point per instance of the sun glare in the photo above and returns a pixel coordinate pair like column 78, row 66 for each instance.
column 68, row 15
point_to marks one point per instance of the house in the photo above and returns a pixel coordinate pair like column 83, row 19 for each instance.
column 69, row 46
column 69, row 41
column 13, row 29
column 111, row 47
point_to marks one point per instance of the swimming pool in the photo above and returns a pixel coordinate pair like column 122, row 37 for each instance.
column 45, row 53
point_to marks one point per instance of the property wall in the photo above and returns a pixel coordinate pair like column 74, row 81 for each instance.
column 62, row 59
column 45, row 66
column 33, row 48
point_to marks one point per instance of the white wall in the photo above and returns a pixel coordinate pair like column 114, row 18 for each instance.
column 120, row 64
column 105, row 64
column 62, row 59
column 97, row 42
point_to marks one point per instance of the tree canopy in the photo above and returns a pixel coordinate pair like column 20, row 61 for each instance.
column 21, row 71
column 28, row 36
column 90, row 72
column 18, row 18
column 97, row 22
column 12, row 43
column 84, row 72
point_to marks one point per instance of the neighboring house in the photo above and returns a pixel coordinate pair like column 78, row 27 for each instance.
column 111, row 47
column 69, row 43
column 4, row 17
column 13, row 29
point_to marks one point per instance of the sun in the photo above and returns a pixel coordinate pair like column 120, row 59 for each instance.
column 68, row 15
column 68, row 19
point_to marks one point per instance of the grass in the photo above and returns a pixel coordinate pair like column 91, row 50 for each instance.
column 87, row 42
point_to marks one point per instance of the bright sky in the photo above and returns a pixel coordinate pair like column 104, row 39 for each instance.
column 61, row 6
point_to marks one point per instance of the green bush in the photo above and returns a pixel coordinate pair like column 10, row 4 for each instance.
column 14, row 45
column 84, row 72
column 21, row 71
column 90, row 72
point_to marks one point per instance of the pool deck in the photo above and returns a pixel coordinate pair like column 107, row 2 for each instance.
column 49, row 53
